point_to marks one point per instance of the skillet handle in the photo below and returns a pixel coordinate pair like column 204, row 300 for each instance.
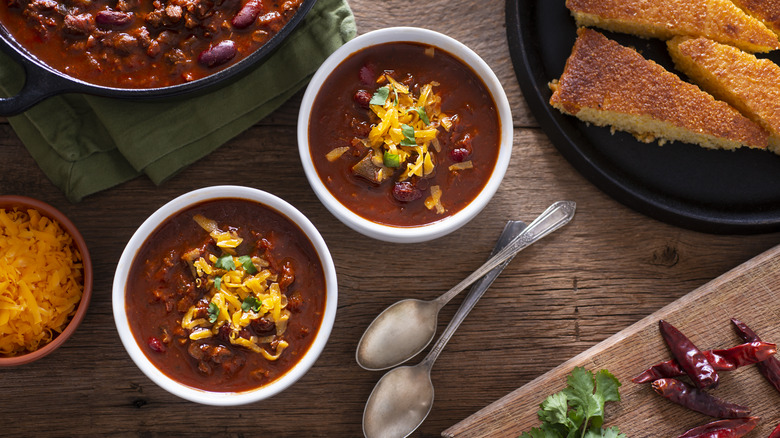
column 39, row 83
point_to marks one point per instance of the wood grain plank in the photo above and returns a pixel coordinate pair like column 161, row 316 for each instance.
column 749, row 292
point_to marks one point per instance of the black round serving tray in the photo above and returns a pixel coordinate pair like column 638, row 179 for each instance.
column 721, row 192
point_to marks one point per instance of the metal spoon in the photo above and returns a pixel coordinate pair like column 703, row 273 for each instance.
column 403, row 397
column 408, row 326
column 406, row 384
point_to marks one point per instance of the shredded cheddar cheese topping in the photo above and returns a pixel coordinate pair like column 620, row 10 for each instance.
column 404, row 140
column 243, row 289
column 40, row 280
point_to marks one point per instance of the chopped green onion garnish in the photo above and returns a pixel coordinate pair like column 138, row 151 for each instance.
column 423, row 115
column 246, row 262
column 225, row 262
column 408, row 133
column 391, row 160
column 213, row 312
column 251, row 302
column 380, row 96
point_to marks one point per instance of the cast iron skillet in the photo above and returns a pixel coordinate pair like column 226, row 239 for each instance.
column 42, row 81
column 734, row 192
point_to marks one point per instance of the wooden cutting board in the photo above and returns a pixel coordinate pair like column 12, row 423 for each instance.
column 749, row 292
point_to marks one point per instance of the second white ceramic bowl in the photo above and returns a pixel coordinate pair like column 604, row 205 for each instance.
column 151, row 224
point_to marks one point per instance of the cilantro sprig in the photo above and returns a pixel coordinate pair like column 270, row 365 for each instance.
column 251, row 303
column 578, row 410
column 380, row 96
column 408, row 133
column 213, row 313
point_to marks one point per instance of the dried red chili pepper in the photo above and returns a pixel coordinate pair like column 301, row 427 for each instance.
column 775, row 433
column 733, row 428
column 721, row 360
column 769, row 368
column 690, row 358
column 697, row 400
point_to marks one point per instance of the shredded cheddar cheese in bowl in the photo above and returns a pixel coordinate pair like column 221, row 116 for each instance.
column 242, row 290
column 41, row 280
column 403, row 142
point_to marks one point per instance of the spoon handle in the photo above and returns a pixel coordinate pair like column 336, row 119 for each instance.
column 556, row 216
column 511, row 231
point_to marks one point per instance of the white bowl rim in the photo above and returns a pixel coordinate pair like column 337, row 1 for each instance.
column 151, row 224
column 450, row 223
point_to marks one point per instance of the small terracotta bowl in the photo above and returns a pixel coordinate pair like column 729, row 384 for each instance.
column 22, row 202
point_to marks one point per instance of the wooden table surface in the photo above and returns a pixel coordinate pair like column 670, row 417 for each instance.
column 606, row 270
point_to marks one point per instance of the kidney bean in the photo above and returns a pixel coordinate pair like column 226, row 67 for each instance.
column 156, row 345
column 247, row 14
column 459, row 155
column 367, row 75
column 362, row 98
column 109, row 19
column 406, row 191
column 263, row 325
column 219, row 54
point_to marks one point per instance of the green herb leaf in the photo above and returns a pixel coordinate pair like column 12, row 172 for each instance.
column 225, row 262
column 391, row 160
column 607, row 386
column 246, row 262
column 218, row 283
column 213, row 312
column 578, row 410
column 251, row 303
column 554, row 409
column 408, row 133
column 423, row 115
column 380, row 96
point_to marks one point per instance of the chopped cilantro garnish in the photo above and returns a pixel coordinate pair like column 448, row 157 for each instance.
column 408, row 133
column 578, row 410
column 391, row 160
column 423, row 115
column 213, row 312
column 251, row 303
column 380, row 96
column 246, row 262
column 217, row 283
column 225, row 262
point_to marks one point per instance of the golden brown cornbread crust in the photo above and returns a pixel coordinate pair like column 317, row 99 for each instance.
column 609, row 84
column 719, row 20
column 750, row 84
column 768, row 11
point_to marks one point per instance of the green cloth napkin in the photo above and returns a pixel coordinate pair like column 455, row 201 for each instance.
column 86, row 143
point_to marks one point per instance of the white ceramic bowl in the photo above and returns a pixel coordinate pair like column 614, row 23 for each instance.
column 223, row 398
column 436, row 229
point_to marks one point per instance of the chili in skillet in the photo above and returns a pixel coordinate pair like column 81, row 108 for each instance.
column 143, row 43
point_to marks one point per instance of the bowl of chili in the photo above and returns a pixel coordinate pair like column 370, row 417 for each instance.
column 225, row 295
column 405, row 134
column 139, row 49
column 47, row 273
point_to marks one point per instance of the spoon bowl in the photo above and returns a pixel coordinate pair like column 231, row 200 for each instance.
column 412, row 320
column 384, row 416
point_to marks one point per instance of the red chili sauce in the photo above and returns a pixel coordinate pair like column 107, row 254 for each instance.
column 163, row 287
column 143, row 43
column 341, row 117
